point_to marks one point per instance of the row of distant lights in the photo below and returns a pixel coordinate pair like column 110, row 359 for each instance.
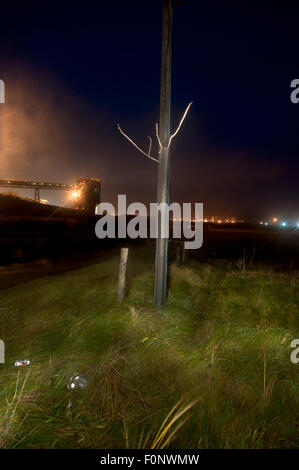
column 226, row 221
column 275, row 221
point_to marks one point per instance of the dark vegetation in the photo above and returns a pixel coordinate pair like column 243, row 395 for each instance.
column 29, row 231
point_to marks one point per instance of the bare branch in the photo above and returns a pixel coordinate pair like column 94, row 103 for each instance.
column 181, row 122
column 136, row 146
column 157, row 135
column 150, row 145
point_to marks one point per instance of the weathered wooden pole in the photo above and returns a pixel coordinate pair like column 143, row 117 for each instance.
column 122, row 274
column 178, row 255
column 163, row 167
column 185, row 255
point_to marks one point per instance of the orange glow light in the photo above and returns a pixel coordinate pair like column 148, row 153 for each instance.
column 75, row 194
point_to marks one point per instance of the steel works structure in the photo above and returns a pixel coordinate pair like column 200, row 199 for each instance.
column 85, row 193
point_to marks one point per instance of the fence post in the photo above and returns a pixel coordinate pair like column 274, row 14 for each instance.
column 122, row 274
column 178, row 255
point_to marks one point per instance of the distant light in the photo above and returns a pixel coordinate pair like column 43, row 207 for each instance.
column 266, row 223
column 219, row 221
column 283, row 224
column 275, row 219
column 261, row 223
column 297, row 224
column 75, row 194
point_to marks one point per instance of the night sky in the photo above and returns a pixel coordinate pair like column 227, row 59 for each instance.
column 73, row 71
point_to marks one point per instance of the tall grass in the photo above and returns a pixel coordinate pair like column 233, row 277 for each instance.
column 225, row 337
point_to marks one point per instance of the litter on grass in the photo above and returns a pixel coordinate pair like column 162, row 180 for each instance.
column 77, row 382
column 22, row 363
column 69, row 407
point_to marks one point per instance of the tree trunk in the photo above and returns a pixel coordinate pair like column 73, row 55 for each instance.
column 163, row 167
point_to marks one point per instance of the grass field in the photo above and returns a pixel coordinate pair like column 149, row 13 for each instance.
column 214, row 371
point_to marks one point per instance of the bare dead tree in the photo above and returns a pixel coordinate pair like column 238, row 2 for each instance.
column 148, row 153
column 164, row 140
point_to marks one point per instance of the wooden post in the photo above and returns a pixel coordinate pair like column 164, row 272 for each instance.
column 244, row 260
column 122, row 274
column 186, row 255
column 178, row 255
column 252, row 256
column 163, row 167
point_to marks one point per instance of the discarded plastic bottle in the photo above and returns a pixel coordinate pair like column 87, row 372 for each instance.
column 22, row 363
column 69, row 407
column 77, row 382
